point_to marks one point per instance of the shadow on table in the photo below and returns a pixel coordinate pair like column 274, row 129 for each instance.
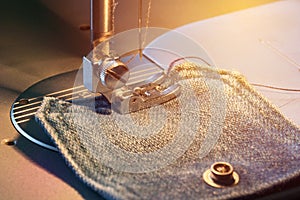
column 54, row 163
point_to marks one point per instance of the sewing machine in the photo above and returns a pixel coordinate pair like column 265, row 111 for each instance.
column 107, row 72
column 125, row 72
column 31, row 97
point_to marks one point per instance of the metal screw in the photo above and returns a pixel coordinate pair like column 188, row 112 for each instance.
column 220, row 175
column 113, row 73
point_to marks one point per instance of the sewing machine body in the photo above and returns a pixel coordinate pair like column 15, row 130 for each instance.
column 204, row 32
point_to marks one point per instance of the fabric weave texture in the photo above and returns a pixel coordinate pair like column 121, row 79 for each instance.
column 217, row 117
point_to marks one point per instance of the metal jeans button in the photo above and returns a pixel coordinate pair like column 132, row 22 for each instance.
column 220, row 175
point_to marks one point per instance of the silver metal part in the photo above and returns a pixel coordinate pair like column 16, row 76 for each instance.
column 113, row 73
column 110, row 77
column 151, row 93
column 104, row 75
column 101, row 20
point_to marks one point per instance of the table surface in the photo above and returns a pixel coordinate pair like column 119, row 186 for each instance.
column 261, row 43
column 39, row 39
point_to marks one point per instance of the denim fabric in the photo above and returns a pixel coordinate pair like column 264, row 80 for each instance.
column 217, row 117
